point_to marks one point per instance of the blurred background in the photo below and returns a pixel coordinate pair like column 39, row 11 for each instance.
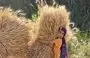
column 79, row 46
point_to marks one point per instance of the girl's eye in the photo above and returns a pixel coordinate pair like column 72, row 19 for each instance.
column 56, row 37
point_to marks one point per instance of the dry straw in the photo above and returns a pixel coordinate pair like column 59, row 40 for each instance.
column 14, row 35
column 21, row 38
column 48, row 22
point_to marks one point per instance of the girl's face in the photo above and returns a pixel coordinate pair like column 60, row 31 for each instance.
column 60, row 34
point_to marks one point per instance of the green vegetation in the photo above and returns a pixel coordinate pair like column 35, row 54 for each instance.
column 79, row 46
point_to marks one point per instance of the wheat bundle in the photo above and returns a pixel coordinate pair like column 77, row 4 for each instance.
column 14, row 35
column 50, row 20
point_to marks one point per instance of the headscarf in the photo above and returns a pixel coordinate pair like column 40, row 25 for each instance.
column 63, row 48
